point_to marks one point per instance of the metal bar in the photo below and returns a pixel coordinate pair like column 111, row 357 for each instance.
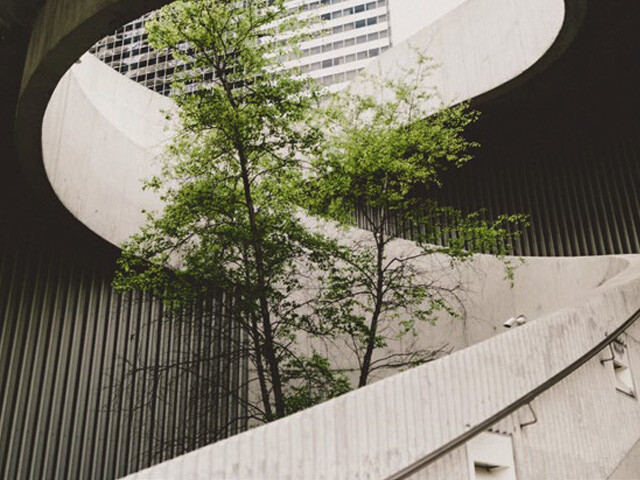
column 613, row 356
column 460, row 440
column 531, row 422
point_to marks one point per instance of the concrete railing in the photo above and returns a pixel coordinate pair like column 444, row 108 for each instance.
column 374, row 431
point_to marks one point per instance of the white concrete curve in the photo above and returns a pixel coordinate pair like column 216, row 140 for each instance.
column 584, row 427
column 480, row 45
column 102, row 135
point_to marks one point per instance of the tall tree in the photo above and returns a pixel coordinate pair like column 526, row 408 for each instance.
column 389, row 143
column 231, row 185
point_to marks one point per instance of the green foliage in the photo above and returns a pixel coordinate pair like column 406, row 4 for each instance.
column 312, row 380
column 390, row 141
column 236, row 174
column 231, row 184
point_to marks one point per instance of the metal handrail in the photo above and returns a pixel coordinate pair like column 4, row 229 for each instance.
column 460, row 440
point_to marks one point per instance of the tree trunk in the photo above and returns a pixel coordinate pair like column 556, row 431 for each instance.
column 375, row 317
column 264, row 392
column 256, row 244
column 267, row 329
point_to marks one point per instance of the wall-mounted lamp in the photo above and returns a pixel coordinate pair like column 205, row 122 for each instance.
column 515, row 321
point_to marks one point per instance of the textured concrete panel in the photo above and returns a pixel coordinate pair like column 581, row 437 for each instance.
column 584, row 425
column 71, row 404
column 480, row 45
column 102, row 136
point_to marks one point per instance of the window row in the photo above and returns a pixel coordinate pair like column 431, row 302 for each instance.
column 353, row 10
column 346, row 27
column 133, row 33
column 334, row 62
column 121, row 41
column 365, row 22
column 339, row 77
column 116, row 56
column 348, row 42
column 314, row 5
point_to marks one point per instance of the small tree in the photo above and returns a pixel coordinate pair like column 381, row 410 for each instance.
column 389, row 143
column 231, row 185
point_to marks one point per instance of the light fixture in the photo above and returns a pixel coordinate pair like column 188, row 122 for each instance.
column 515, row 321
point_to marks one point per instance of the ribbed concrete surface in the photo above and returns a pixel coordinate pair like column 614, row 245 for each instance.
column 69, row 407
column 629, row 467
column 374, row 431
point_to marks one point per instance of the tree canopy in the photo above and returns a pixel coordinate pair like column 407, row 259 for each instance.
column 389, row 141
column 256, row 145
column 230, row 183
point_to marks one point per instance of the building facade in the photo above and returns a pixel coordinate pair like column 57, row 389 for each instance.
column 347, row 35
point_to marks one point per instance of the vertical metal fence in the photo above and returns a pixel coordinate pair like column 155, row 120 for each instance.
column 92, row 381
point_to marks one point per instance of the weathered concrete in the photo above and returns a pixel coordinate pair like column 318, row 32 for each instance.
column 486, row 46
column 61, row 33
column 476, row 43
column 482, row 60
column 541, row 286
column 408, row 17
column 629, row 467
column 103, row 134
column 17, row 13
column 584, row 425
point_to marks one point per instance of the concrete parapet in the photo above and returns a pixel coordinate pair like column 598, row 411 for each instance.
column 584, row 426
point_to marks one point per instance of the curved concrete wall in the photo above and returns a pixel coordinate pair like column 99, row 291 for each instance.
column 103, row 134
column 378, row 429
column 584, row 427
column 481, row 45
column 62, row 32
column 372, row 431
column 469, row 67
column 408, row 17
column 476, row 45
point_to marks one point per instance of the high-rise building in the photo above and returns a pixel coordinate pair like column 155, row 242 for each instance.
column 348, row 35
column 128, row 52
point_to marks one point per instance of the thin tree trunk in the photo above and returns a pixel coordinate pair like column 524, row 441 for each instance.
column 255, row 334
column 256, row 243
column 375, row 317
